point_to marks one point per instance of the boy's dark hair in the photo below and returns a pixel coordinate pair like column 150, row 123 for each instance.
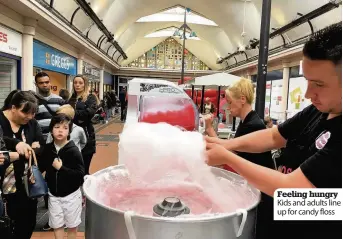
column 24, row 99
column 40, row 75
column 325, row 44
column 58, row 119
column 64, row 93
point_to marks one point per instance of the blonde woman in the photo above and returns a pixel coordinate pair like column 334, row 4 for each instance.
column 240, row 97
column 85, row 106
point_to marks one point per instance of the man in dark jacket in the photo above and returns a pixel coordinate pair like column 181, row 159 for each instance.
column 48, row 102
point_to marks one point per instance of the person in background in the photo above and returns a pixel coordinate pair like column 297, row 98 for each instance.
column 222, row 106
column 240, row 97
column 85, row 106
column 114, row 100
column 268, row 122
column 209, row 107
column 77, row 133
column 123, row 103
column 64, row 169
column 21, row 134
column 48, row 102
column 64, row 94
column 312, row 140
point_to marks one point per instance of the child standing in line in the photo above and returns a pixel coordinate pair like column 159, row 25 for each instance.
column 64, row 174
column 77, row 134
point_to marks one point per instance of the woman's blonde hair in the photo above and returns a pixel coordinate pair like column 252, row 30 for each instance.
column 85, row 92
column 67, row 110
column 243, row 87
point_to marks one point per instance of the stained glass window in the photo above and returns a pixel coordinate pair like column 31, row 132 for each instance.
column 168, row 55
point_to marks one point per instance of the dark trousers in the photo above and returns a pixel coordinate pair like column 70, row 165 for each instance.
column 122, row 111
column 87, row 159
column 22, row 211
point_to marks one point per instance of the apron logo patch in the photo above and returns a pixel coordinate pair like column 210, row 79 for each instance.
column 322, row 140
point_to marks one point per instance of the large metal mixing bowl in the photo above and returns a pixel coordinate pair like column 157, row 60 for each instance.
column 103, row 222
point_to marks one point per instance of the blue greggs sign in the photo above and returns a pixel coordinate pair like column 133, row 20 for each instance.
column 51, row 59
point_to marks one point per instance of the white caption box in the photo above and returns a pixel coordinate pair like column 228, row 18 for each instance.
column 308, row 204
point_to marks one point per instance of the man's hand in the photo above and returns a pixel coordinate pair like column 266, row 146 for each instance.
column 214, row 140
column 35, row 145
column 23, row 149
column 208, row 120
column 216, row 154
column 57, row 164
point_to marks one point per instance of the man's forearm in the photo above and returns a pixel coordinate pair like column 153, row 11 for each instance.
column 257, row 142
column 211, row 132
column 265, row 179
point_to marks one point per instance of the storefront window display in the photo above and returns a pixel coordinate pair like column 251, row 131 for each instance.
column 273, row 97
column 93, row 75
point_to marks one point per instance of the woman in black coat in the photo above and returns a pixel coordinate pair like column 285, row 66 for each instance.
column 21, row 133
column 85, row 105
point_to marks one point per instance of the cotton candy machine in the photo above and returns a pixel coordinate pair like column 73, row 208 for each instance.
column 154, row 101
column 165, row 190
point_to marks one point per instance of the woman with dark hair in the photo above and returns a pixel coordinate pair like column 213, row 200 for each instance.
column 8, row 99
column 85, row 105
column 21, row 133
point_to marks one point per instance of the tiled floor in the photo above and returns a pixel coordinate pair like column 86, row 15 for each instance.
column 106, row 155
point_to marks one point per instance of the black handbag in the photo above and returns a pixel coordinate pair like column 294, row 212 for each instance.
column 6, row 224
column 34, row 182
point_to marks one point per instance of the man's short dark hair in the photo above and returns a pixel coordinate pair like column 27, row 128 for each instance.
column 64, row 93
column 325, row 44
column 40, row 75
column 58, row 119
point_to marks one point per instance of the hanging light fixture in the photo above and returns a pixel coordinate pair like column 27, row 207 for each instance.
column 193, row 34
column 177, row 33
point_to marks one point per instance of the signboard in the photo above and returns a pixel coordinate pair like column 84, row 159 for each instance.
column 10, row 41
column 51, row 59
column 276, row 100
column 91, row 72
column 296, row 97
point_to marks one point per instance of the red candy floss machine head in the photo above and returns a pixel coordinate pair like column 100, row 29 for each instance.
column 154, row 101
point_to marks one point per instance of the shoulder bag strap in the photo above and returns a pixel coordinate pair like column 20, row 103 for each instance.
column 48, row 108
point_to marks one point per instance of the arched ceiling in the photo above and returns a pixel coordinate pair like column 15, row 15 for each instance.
column 120, row 17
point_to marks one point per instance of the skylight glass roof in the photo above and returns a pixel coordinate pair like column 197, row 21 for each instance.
column 176, row 14
column 169, row 32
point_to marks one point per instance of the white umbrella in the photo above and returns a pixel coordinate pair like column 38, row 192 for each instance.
column 218, row 79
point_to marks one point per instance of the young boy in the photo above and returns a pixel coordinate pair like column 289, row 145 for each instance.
column 64, row 174
column 77, row 134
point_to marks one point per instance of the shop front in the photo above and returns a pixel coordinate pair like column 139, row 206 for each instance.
column 10, row 58
column 58, row 65
column 93, row 75
column 273, row 97
column 108, row 82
